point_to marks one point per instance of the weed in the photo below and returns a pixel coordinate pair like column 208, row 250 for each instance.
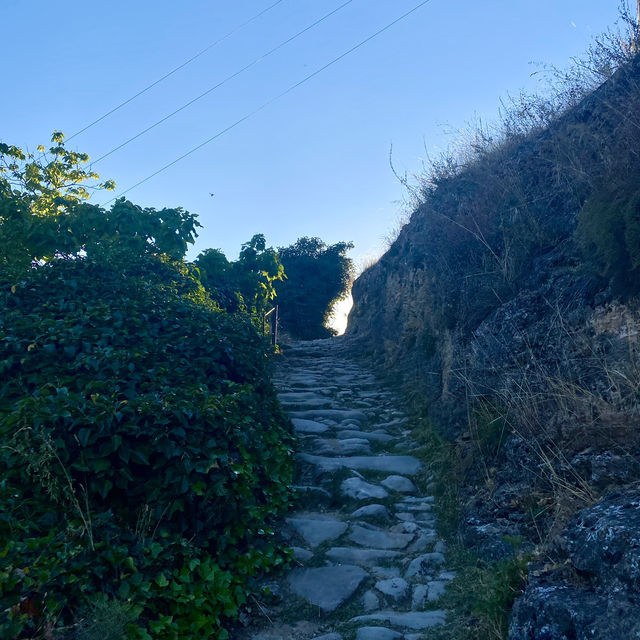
column 444, row 463
column 481, row 595
column 106, row 620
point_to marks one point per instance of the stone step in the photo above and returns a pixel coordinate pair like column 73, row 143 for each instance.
column 378, row 538
column 392, row 464
column 317, row 528
column 302, row 425
column 362, row 557
column 409, row 620
column 326, row 587
column 333, row 414
column 375, row 436
column 335, row 447
column 366, row 554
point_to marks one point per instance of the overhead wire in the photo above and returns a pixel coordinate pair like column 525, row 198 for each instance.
column 221, row 83
column 274, row 99
column 176, row 69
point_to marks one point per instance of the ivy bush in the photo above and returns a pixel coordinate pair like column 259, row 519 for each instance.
column 142, row 451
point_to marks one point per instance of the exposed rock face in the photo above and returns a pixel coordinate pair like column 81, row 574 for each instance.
column 489, row 313
column 597, row 594
column 552, row 612
column 603, row 543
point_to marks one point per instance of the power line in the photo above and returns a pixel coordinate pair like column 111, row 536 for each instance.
column 176, row 69
column 222, row 82
column 274, row 99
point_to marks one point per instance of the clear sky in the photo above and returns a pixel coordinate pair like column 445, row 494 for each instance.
column 315, row 162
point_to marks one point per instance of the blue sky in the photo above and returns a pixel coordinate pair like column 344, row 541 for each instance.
column 315, row 162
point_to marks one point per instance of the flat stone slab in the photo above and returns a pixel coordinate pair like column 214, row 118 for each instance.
column 419, row 499
column 317, row 529
column 308, row 426
column 423, row 507
column 436, row 589
column 419, row 596
column 302, row 555
column 395, row 588
column 383, row 573
column 379, row 539
column 370, row 601
column 310, row 377
column 365, row 557
column 375, row 436
column 334, row 414
column 390, row 464
column 294, row 405
column 347, row 447
column 446, row 575
column 405, row 516
column 377, row 633
column 422, row 565
column 423, row 542
column 373, row 512
column 396, row 422
column 359, row 489
column 326, row 587
column 295, row 396
column 409, row 620
column 317, row 493
column 427, row 522
column 400, row 484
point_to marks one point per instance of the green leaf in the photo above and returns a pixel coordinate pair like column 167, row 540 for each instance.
column 162, row 581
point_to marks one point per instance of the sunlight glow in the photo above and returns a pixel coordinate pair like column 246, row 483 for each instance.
column 338, row 320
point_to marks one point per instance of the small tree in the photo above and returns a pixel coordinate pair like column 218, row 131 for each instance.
column 317, row 276
column 246, row 284
column 215, row 274
column 44, row 213
column 37, row 196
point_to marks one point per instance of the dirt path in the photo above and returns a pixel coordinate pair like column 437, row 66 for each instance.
column 368, row 562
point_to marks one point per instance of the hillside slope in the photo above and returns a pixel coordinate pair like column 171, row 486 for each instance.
column 507, row 311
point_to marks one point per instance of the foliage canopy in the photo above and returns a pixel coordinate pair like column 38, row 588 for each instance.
column 44, row 213
column 246, row 284
column 317, row 276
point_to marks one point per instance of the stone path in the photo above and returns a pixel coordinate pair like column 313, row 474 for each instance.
column 368, row 562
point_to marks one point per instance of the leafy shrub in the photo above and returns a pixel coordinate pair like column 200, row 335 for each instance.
column 246, row 284
column 317, row 276
column 142, row 449
column 43, row 213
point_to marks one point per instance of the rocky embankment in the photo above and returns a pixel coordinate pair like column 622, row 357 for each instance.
column 507, row 312
column 594, row 592
column 368, row 563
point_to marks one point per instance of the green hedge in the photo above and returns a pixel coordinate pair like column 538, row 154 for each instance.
column 143, row 452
